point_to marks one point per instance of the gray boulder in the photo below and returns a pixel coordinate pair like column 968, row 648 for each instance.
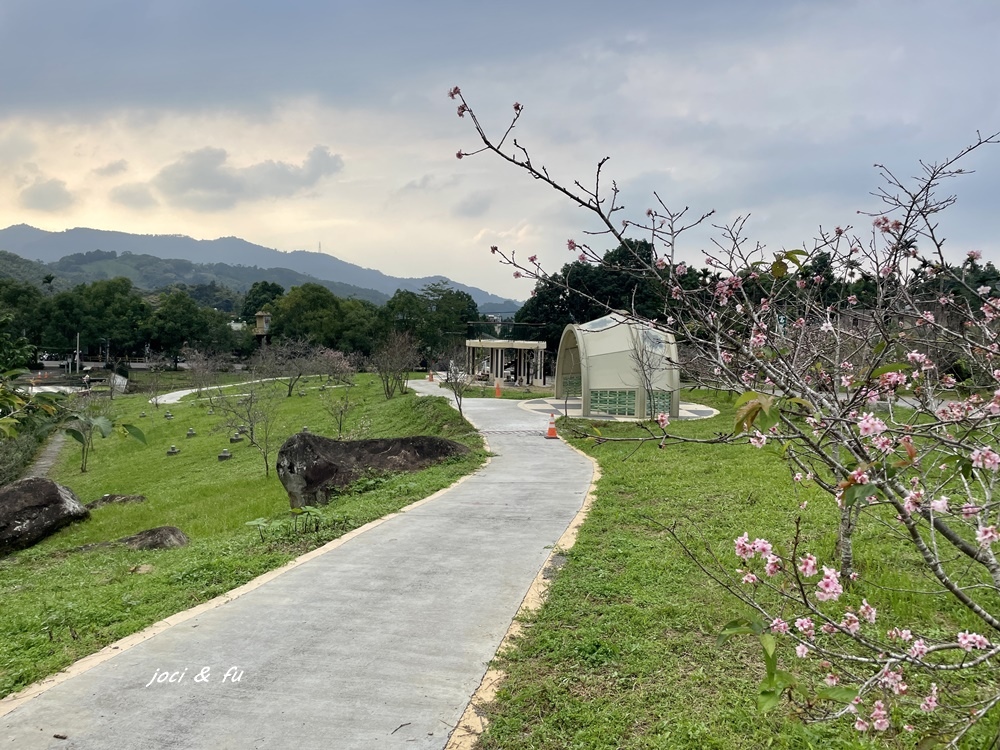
column 32, row 509
column 312, row 467
column 162, row 537
column 114, row 500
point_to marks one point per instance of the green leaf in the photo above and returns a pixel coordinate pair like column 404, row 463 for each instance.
column 744, row 397
column 103, row 425
column 740, row 626
column 837, row 694
column 745, row 417
column 892, row 367
column 794, row 255
column 879, row 348
column 135, row 432
column 779, row 269
column 770, row 654
column 783, row 679
column 76, row 435
column 296, row 511
column 854, row 493
column 768, row 700
column 766, row 420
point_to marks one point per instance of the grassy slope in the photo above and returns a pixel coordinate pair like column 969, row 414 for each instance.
column 59, row 605
column 623, row 654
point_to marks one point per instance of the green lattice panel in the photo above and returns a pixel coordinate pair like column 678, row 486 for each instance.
column 660, row 403
column 618, row 403
column 572, row 385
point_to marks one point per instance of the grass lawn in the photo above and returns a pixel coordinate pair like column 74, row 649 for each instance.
column 59, row 605
column 623, row 654
column 514, row 393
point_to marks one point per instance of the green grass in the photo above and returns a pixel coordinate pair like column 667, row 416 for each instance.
column 60, row 604
column 513, row 393
column 623, row 653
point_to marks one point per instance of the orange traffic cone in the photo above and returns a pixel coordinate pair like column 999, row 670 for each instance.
column 551, row 434
column 497, row 389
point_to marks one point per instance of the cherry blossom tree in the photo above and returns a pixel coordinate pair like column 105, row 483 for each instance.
column 868, row 360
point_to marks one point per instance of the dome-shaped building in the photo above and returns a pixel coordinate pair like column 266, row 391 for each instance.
column 620, row 366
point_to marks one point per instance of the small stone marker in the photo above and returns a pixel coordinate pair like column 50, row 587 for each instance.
column 236, row 438
column 211, row 411
column 225, row 455
column 142, row 414
column 242, row 429
column 168, row 415
column 191, row 432
column 174, row 450
column 305, row 429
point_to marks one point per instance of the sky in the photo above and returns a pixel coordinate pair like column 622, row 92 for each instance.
column 326, row 124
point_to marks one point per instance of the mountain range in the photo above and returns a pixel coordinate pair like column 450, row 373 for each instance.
column 230, row 261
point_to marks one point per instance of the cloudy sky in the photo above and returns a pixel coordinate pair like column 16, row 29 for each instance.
column 299, row 123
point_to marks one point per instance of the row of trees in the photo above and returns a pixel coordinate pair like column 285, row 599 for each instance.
column 865, row 411
column 628, row 277
column 117, row 319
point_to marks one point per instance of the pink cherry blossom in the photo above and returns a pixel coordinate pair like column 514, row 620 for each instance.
column 985, row 458
column 969, row 641
column 802, row 651
column 744, row 549
column 807, row 565
column 779, row 626
column 806, row 626
column 880, row 718
column 986, row 535
column 851, row 623
column 773, row 565
column 829, row 588
column 930, row 702
column 867, row 611
column 869, row 425
column 919, row 649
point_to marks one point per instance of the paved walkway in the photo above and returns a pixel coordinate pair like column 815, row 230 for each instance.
column 376, row 643
column 573, row 407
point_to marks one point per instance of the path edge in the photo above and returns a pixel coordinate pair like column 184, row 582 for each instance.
column 473, row 722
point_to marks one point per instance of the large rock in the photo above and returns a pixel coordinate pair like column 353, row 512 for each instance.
column 34, row 508
column 115, row 500
column 162, row 537
column 312, row 466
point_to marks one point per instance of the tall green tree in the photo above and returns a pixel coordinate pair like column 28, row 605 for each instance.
column 259, row 296
column 179, row 321
column 310, row 312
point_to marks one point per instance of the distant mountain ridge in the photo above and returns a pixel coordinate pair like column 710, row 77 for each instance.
column 48, row 247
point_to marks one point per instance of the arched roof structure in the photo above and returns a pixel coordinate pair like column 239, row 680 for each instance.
column 620, row 366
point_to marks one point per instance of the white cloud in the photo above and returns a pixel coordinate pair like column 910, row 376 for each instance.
column 133, row 195
column 49, row 195
column 112, row 168
column 203, row 180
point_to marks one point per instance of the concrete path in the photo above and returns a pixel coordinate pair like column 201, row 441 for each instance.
column 377, row 643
